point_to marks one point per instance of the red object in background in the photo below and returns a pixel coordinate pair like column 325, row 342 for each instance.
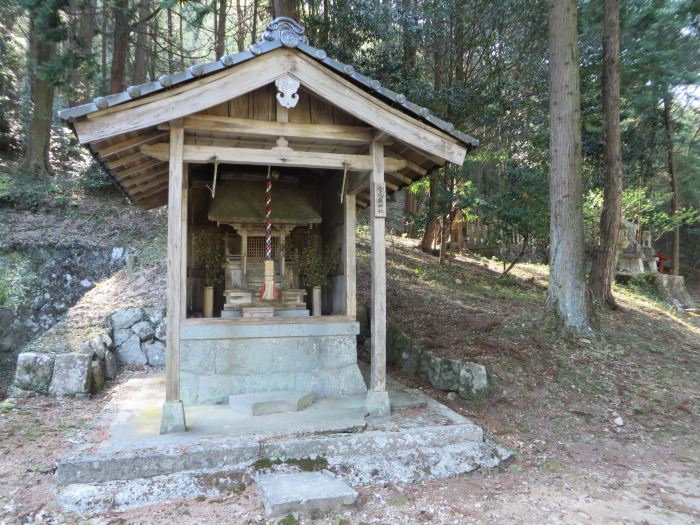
column 661, row 260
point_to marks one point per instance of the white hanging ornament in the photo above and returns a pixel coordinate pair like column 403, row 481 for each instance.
column 287, row 96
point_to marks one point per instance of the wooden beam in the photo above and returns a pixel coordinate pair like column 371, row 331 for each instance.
column 349, row 256
column 177, row 210
column 153, row 202
column 377, row 396
column 373, row 111
column 264, row 129
column 273, row 157
column 130, row 143
column 180, row 101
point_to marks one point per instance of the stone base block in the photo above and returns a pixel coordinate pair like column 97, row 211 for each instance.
column 173, row 418
column 230, row 314
column 292, row 312
column 262, row 403
column 303, row 492
column 378, row 403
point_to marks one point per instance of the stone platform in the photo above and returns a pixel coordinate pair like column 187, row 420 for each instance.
column 124, row 462
column 224, row 357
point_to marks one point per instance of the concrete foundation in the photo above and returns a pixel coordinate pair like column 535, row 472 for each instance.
column 218, row 359
column 264, row 403
column 124, row 462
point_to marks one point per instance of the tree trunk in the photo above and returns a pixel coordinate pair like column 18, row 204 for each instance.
column 120, row 49
column 171, row 38
column 603, row 267
column 254, row 29
column 286, row 8
column 42, row 51
column 428, row 243
column 676, row 243
column 142, row 46
column 567, row 296
column 220, row 37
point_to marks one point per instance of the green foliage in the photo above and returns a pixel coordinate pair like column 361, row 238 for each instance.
column 18, row 282
column 521, row 207
column 640, row 206
column 314, row 262
column 207, row 249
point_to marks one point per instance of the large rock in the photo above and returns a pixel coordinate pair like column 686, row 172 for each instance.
column 155, row 353
column 98, row 376
column 130, row 353
column 155, row 315
column 110, row 365
column 34, row 371
column 442, row 373
column 121, row 335
column 72, row 374
column 161, row 329
column 474, row 381
column 144, row 330
column 126, row 317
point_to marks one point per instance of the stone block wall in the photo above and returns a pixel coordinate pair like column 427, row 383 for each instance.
column 136, row 339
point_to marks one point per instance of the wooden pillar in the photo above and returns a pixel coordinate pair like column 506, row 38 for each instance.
column 349, row 257
column 173, row 416
column 377, row 396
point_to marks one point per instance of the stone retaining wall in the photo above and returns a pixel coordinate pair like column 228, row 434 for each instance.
column 135, row 339
column 469, row 380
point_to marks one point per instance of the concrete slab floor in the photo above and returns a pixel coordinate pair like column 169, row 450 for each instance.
column 132, row 418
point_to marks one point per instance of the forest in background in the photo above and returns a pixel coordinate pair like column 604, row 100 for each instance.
column 482, row 65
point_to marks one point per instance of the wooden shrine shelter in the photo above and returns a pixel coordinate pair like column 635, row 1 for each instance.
column 284, row 121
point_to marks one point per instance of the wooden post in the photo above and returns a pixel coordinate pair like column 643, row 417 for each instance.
column 377, row 396
column 350, row 257
column 173, row 416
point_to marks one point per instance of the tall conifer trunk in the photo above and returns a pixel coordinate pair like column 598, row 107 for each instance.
column 676, row 234
column 120, row 49
column 42, row 50
column 603, row 267
column 566, row 300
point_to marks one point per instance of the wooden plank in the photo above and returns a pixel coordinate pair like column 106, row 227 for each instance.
column 153, row 202
column 154, row 190
column 301, row 114
column 121, row 161
column 184, row 100
column 176, row 218
column 238, row 107
column 122, row 174
column 378, row 269
column 260, row 157
column 373, row 111
column 141, row 179
column 349, row 247
column 242, row 127
column 159, row 180
column 131, row 143
column 262, row 103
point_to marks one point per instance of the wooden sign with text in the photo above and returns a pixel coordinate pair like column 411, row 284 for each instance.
column 379, row 199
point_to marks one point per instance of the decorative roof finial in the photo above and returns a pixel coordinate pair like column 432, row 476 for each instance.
column 287, row 30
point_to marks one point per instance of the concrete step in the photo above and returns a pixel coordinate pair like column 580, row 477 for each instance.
column 303, row 492
column 263, row 403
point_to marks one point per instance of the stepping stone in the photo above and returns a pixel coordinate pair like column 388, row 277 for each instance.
column 262, row 403
column 303, row 492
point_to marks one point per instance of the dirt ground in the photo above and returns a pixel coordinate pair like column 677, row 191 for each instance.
column 604, row 429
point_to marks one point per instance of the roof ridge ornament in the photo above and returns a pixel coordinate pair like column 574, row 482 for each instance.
column 286, row 30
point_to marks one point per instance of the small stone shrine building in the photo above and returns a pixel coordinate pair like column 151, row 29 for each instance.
column 256, row 149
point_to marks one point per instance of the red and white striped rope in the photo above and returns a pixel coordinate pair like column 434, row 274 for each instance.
column 268, row 216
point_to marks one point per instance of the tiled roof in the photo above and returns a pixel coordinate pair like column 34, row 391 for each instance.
column 281, row 32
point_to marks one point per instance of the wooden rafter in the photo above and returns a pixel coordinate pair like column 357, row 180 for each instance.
column 133, row 142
